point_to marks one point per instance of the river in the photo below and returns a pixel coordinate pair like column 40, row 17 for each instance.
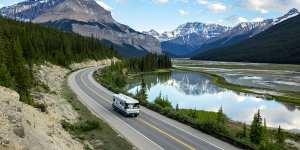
column 196, row 91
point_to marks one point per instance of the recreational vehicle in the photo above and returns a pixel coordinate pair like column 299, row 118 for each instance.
column 126, row 105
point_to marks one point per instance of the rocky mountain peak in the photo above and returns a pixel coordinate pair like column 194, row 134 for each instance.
column 85, row 17
column 197, row 28
column 80, row 10
column 292, row 13
column 29, row 9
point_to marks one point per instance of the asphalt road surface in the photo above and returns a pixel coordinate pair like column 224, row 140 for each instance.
column 149, row 131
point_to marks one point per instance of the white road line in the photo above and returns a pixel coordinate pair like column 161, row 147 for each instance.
column 72, row 77
column 90, row 76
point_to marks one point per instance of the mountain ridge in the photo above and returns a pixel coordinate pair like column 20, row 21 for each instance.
column 176, row 44
column 278, row 44
column 98, row 22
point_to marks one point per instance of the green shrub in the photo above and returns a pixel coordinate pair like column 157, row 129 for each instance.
column 42, row 107
column 163, row 102
column 81, row 126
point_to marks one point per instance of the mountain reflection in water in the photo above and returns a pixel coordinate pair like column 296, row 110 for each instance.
column 194, row 90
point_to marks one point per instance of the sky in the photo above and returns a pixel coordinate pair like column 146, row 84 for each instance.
column 166, row 15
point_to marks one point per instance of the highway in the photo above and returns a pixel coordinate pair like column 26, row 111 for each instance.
column 149, row 131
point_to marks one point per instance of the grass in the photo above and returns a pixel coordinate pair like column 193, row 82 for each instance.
column 90, row 128
column 198, row 119
column 233, row 65
column 289, row 97
column 202, row 120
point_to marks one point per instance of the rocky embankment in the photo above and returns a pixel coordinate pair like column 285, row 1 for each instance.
column 23, row 127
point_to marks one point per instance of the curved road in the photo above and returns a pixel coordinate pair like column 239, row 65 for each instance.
column 149, row 131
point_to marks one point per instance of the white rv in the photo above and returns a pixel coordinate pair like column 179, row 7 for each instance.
column 126, row 105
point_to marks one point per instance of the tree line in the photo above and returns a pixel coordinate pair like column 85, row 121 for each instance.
column 117, row 74
column 24, row 44
column 256, row 136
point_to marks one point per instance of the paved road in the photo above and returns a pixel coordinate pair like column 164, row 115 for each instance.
column 149, row 131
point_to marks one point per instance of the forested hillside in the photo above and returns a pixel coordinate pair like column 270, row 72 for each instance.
column 279, row 44
column 25, row 44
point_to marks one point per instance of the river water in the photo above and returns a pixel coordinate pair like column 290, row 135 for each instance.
column 194, row 90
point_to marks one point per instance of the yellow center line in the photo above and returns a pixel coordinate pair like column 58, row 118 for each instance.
column 144, row 122
column 166, row 134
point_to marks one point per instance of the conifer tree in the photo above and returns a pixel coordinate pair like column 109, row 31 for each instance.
column 256, row 129
column 280, row 138
column 221, row 116
column 265, row 135
column 21, row 73
column 177, row 107
column 244, row 134
column 142, row 94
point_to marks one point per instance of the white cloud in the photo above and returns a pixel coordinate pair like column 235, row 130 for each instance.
column 234, row 20
column 217, row 7
column 183, row 1
column 263, row 11
column 183, row 12
column 160, row 1
column 202, row 2
column 264, row 6
column 242, row 19
column 257, row 19
column 105, row 6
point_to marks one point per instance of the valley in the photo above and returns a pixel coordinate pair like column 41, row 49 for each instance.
column 259, row 79
column 196, row 75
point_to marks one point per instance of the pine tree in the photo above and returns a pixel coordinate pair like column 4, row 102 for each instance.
column 244, row 134
column 256, row 129
column 265, row 135
column 142, row 94
column 177, row 107
column 221, row 116
column 21, row 73
column 280, row 138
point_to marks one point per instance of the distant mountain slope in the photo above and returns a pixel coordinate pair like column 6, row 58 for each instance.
column 244, row 31
column 278, row 44
column 85, row 17
column 191, row 38
column 188, row 37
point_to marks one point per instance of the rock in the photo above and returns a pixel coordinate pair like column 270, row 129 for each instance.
column 23, row 126
column 92, row 63
column 19, row 131
column 84, row 17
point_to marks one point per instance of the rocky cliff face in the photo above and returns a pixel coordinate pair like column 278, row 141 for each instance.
column 85, row 17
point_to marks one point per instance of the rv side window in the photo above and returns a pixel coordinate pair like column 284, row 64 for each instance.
column 132, row 106
column 136, row 105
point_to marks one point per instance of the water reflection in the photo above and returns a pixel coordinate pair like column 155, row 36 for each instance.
column 193, row 90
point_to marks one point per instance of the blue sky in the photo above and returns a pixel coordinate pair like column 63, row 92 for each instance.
column 165, row 15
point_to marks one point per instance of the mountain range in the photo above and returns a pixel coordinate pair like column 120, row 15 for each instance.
column 191, row 38
column 91, row 19
column 278, row 44
column 87, row 18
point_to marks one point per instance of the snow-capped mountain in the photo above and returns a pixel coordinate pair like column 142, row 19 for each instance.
column 244, row 31
column 292, row 13
column 188, row 37
column 85, row 17
column 191, row 37
column 204, row 30
column 153, row 33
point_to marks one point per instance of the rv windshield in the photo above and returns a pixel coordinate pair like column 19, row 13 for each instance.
column 132, row 106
